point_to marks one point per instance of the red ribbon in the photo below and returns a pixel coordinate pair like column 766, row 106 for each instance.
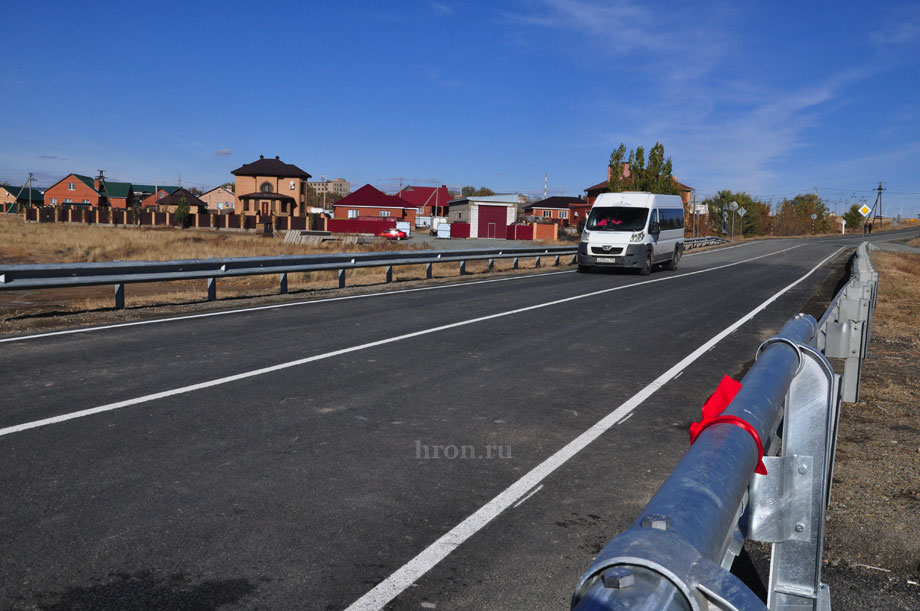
column 712, row 414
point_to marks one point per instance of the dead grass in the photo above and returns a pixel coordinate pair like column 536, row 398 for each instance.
column 22, row 242
column 898, row 310
column 915, row 243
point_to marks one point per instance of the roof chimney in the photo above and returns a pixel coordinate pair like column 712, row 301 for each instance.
column 261, row 156
column 277, row 157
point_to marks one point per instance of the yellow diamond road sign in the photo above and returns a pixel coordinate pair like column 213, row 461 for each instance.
column 865, row 210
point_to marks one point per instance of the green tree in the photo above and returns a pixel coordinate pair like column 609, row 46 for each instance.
column 470, row 191
column 617, row 178
column 656, row 177
column 854, row 219
column 182, row 212
column 794, row 216
column 467, row 191
column 227, row 185
column 757, row 219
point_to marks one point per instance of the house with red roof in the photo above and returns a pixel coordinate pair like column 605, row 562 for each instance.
column 368, row 202
column 561, row 210
column 430, row 201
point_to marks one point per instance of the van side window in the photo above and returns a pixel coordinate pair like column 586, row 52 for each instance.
column 671, row 219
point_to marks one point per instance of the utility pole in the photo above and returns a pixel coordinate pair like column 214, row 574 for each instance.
column 326, row 188
column 878, row 212
column 545, row 182
column 103, row 190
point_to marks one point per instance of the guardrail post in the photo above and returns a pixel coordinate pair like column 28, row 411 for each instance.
column 537, row 262
column 515, row 263
column 389, row 274
column 341, row 278
column 284, row 287
column 786, row 507
column 574, row 259
column 491, row 264
column 463, row 268
column 212, row 289
column 556, row 263
column 428, row 271
column 119, row 296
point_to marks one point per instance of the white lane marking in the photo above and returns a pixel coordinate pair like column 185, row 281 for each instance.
column 628, row 416
column 678, row 375
column 410, row 572
column 319, row 357
column 137, row 323
column 532, row 492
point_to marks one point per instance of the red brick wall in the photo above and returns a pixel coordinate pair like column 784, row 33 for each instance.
column 341, row 212
column 80, row 192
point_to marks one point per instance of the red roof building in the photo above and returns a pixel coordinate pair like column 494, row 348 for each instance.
column 370, row 202
column 430, row 201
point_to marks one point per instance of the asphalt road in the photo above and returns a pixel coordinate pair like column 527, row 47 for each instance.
column 276, row 458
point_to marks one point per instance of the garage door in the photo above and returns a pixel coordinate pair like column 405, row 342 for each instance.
column 493, row 221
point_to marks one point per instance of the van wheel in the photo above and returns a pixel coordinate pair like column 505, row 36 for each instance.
column 646, row 268
column 672, row 264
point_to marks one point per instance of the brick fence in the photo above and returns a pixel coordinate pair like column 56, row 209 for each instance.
column 106, row 216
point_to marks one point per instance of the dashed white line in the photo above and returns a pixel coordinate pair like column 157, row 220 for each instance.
column 410, row 572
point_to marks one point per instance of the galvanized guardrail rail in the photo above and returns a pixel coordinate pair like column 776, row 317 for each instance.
column 119, row 273
column 678, row 552
column 690, row 243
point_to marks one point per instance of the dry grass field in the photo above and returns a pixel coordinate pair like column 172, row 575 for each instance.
column 22, row 242
column 876, row 494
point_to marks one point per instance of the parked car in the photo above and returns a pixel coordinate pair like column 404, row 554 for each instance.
column 392, row 234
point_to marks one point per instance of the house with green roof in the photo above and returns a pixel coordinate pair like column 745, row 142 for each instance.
column 15, row 199
column 80, row 190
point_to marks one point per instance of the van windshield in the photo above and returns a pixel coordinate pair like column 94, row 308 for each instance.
column 617, row 218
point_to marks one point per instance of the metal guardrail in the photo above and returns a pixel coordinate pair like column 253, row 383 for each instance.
column 678, row 552
column 119, row 273
column 691, row 243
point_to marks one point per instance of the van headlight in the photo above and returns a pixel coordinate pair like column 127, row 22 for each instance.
column 637, row 237
column 585, row 234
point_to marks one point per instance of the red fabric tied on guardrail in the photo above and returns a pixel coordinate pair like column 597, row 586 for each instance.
column 712, row 414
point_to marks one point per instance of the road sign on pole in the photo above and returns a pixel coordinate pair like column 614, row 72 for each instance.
column 741, row 213
column 865, row 210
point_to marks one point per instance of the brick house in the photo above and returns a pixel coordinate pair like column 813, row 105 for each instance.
column 270, row 186
column 170, row 202
column 79, row 190
column 370, row 202
column 148, row 195
column 221, row 199
column 429, row 201
column 557, row 209
column 488, row 215
column 15, row 199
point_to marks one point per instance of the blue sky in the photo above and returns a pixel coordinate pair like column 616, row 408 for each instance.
column 773, row 98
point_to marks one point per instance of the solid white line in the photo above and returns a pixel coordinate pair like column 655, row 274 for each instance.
column 706, row 252
column 532, row 492
column 628, row 416
column 154, row 321
column 319, row 357
column 410, row 572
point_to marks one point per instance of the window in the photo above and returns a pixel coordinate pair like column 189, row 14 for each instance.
column 53, row 201
column 563, row 214
column 85, row 201
column 67, row 200
column 547, row 214
column 292, row 186
column 71, row 186
column 617, row 218
column 384, row 213
column 266, row 187
column 671, row 218
column 352, row 214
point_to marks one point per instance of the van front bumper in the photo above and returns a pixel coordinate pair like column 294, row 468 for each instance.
column 633, row 257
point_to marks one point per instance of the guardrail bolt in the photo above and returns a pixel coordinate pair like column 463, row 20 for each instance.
column 619, row 577
column 799, row 527
column 803, row 469
column 656, row 521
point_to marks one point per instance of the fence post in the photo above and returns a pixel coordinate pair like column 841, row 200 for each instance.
column 212, row 289
column 119, row 296
column 284, row 286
